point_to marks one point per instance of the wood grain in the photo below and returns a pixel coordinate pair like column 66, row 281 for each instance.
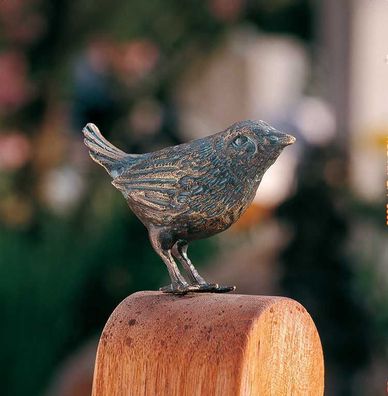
column 208, row 344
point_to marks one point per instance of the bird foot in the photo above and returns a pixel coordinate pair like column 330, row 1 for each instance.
column 175, row 289
column 213, row 288
column 202, row 288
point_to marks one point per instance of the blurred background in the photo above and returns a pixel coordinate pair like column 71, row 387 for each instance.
column 157, row 73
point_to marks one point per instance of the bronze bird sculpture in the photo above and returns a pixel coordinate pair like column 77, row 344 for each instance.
column 192, row 190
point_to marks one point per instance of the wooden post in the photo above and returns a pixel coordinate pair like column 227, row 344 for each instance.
column 208, row 344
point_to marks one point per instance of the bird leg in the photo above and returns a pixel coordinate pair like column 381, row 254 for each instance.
column 179, row 251
column 197, row 283
column 178, row 282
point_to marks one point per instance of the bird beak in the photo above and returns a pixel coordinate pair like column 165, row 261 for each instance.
column 288, row 139
column 283, row 138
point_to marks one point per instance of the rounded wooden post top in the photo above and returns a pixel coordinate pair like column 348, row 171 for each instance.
column 209, row 344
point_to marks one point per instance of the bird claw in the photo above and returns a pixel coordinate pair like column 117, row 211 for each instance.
column 175, row 289
column 214, row 288
column 202, row 288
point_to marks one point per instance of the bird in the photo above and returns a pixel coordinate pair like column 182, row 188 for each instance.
column 192, row 190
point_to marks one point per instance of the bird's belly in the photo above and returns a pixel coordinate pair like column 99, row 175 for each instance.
column 200, row 226
column 204, row 226
column 197, row 222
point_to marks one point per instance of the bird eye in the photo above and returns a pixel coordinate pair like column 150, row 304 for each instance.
column 239, row 141
column 273, row 139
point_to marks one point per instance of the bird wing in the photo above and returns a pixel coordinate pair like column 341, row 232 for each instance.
column 150, row 184
column 153, row 182
column 185, row 179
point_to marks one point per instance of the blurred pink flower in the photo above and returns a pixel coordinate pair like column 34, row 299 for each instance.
column 15, row 88
column 19, row 23
column 24, row 33
column 139, row 57
column 100, row 52
column 10, row 9
column 227, row 10
column 146, row 118
column 15, row 151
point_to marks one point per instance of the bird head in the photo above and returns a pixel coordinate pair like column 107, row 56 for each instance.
column 255, row 144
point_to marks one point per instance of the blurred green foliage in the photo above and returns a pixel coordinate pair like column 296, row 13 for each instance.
column 60, row 282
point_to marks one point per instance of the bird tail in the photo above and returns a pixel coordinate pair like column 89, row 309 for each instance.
column 102, row 151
